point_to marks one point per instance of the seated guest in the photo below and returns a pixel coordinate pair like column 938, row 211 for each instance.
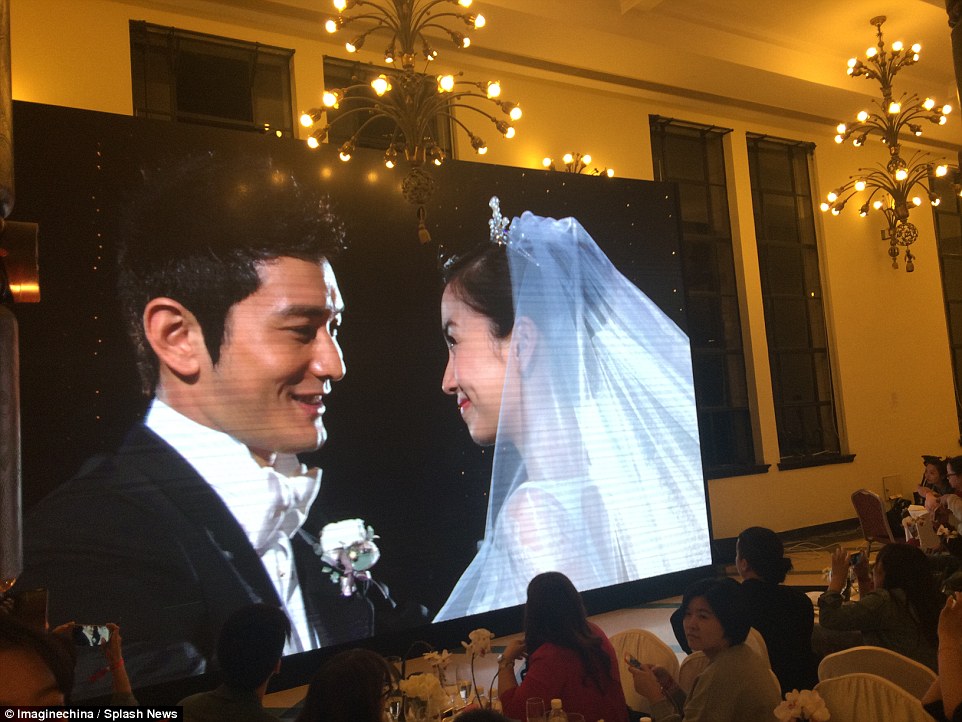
column 349, row 687
column 249, row 651
column 568, row 657
column 783, row 616
column 934, row 482
column 944, row 698
column 898, row 606
column 35, row 668
column 952, row 501
column 736, row 686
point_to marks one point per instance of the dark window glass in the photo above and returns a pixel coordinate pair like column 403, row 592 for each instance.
column 948, row 232
column 792, row 295
column 196, row 78
column 693, row 157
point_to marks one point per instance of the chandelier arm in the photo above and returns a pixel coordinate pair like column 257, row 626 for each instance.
column 487, row 115
column 384, row 21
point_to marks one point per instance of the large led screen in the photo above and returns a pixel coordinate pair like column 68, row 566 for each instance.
column 458, row 461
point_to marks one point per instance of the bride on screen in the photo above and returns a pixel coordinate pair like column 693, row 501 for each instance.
column 584, row 387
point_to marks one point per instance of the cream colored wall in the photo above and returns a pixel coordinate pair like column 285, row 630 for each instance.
column 888, row 333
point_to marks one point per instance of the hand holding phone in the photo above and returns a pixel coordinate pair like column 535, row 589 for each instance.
column 631, row 661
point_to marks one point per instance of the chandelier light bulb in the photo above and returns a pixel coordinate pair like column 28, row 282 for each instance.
column 915, row 58
column 445, row 83
column 479, row 21
column 586, row 159
column 547, row 162
column 306, row 120
column 381, row 85
column 871, row 52
column 343, row 155
column 824, row 206
column 341, row 5
column 839, row 139
column 330, row 99
column 860, row 185
column 832, row 197
column 312, row 142
column 465, row 3
column 862, row 116
column 863, row 211
column 610, row 172
column 330, row 25
column 895, row 108
column 941, row 170
column 835, row 211
column 465, row 41
column 515, row 113
column 852, row 62
column 494, row 89
column 917, row 48
column 916, row 201
column 897, row 46
column 943, row 120
column 567, row 158
column 946, row 109
column 901, row 174
column 389, row 164
column 840, row 127
column 877, row 205
column 482, row 150
column 934, row 199
column 350, row 47
column 509, row 133
column 928, row 104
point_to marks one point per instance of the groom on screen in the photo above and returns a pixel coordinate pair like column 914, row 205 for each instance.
column 233, row 307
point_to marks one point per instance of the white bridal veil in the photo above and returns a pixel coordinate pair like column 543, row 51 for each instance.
column 597, row 470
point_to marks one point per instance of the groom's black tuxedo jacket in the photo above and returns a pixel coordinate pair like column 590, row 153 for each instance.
column 140, row 539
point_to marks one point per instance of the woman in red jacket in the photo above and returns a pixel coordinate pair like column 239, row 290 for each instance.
column 568, row 657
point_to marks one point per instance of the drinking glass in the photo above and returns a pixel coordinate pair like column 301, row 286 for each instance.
column 534, row 709
column 464, row 683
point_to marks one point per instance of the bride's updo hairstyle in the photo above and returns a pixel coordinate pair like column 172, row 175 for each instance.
column 482, row 280
column 765, row 554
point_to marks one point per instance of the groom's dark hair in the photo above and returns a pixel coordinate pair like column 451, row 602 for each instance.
column 198, row 233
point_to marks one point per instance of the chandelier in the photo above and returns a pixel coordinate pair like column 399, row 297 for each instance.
column 899, row 185
column 412, row 101
column 576, row 163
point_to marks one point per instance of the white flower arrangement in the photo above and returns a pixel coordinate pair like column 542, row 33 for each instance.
column 438, row 660
column 804, row 705
column 478, row 645
column 425, row 687
column 947, row 532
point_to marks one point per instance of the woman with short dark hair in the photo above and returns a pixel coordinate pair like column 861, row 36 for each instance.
column 568, row 657
column 736, row 686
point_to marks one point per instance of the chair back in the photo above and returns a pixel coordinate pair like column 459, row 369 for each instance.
column 913, row 677
column 691, row 666
column 865, row 697
column 756, row 642
column 871, row 517
column 646, row 647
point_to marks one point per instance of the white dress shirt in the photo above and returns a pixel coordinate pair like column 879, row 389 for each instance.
column 270, row 503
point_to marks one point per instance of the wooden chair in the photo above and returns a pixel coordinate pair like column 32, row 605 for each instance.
column 871, row 517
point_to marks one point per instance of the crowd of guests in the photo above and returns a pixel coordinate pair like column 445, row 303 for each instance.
column 564, row 655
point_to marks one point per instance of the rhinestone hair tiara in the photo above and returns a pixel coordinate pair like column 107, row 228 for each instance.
column 498, row 223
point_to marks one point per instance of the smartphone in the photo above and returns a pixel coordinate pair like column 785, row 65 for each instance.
column 90, row 635
column 855, row 559
column 632, row 661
